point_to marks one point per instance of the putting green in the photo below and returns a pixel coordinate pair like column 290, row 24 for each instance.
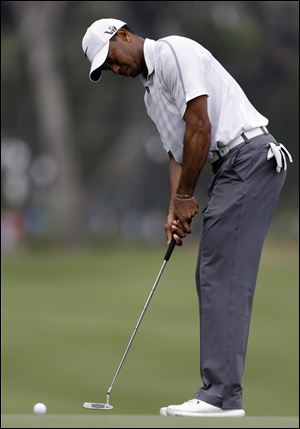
column 67, row 317
column 141, row 421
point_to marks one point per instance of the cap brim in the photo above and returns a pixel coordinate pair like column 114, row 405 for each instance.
column 95, row 72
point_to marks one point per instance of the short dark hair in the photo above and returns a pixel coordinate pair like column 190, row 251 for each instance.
column 125, row 27
column 99, row 69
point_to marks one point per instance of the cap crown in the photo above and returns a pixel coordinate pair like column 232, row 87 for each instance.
column 98, row 34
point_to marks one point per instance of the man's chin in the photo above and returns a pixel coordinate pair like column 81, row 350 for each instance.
column 134, row 73
column 131, row 72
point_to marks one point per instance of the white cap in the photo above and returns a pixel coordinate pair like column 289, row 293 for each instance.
column 95, row 43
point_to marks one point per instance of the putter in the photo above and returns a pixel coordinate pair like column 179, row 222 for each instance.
column 107, row 405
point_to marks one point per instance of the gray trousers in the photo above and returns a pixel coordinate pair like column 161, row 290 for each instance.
column 241, row 200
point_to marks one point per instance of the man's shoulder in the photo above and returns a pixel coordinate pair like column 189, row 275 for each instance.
column 179, row 43
column 176, row 41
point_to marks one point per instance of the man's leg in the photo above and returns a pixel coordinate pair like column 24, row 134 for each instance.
column 240, row 208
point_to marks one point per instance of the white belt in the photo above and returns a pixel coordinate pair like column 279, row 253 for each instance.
column 248, row 134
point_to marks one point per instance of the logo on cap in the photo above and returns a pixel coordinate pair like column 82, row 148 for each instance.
column 111, row 29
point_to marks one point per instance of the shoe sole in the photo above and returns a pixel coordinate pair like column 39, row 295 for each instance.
column 224, row 413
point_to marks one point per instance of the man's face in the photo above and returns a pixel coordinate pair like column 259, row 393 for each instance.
column 125, row 57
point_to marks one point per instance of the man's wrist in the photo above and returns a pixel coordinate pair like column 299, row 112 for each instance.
column 184, row 197
column 185, row 190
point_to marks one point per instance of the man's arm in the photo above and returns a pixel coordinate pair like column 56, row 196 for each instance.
column 175, row 170
column 196, row 144
column 195, row 152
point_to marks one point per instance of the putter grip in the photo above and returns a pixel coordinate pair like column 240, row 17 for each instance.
column 170, row 250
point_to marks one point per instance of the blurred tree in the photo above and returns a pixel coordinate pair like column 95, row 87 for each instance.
column 100, row 134
column 37, row 23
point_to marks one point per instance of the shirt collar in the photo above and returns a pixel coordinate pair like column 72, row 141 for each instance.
column 149, row 55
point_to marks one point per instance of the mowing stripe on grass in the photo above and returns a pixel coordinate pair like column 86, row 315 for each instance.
column 141, row 421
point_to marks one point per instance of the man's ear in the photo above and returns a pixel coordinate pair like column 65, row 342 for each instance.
column 123, row 34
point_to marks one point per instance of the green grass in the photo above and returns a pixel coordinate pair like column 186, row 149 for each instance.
column 68, row 315
column 146, row 421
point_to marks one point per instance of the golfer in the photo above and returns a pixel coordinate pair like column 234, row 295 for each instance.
column 203, row 115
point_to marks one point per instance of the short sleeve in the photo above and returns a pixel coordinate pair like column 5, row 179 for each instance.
column 183, row 73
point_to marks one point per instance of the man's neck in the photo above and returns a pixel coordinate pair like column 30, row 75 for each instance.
column 141, row 42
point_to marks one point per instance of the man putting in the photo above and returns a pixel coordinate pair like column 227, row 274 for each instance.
column 203, row 115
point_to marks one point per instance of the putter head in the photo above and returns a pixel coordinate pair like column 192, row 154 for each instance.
column 97, row 406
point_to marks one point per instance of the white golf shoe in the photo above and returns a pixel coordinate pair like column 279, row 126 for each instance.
column 198, row 408
column 163, row 411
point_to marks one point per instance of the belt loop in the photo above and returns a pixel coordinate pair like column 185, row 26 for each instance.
column 245, row 137
column 264, row 130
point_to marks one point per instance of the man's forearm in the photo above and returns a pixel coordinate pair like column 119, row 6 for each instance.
column 175, row 170
column 195, row 152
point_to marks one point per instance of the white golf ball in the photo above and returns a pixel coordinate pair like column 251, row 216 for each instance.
column 39, row 408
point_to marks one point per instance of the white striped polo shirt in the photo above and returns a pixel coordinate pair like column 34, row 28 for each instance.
column 180, row 69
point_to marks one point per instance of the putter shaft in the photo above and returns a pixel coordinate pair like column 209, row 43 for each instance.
column 135, row 329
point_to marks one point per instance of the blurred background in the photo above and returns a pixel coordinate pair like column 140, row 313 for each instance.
column 84, row 194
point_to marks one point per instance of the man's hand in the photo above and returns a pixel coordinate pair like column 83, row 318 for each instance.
column 168, row 225
column 179, row 219
column 174, row 230
column 184, row 211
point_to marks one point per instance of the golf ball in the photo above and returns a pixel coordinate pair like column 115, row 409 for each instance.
column 39, row 408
